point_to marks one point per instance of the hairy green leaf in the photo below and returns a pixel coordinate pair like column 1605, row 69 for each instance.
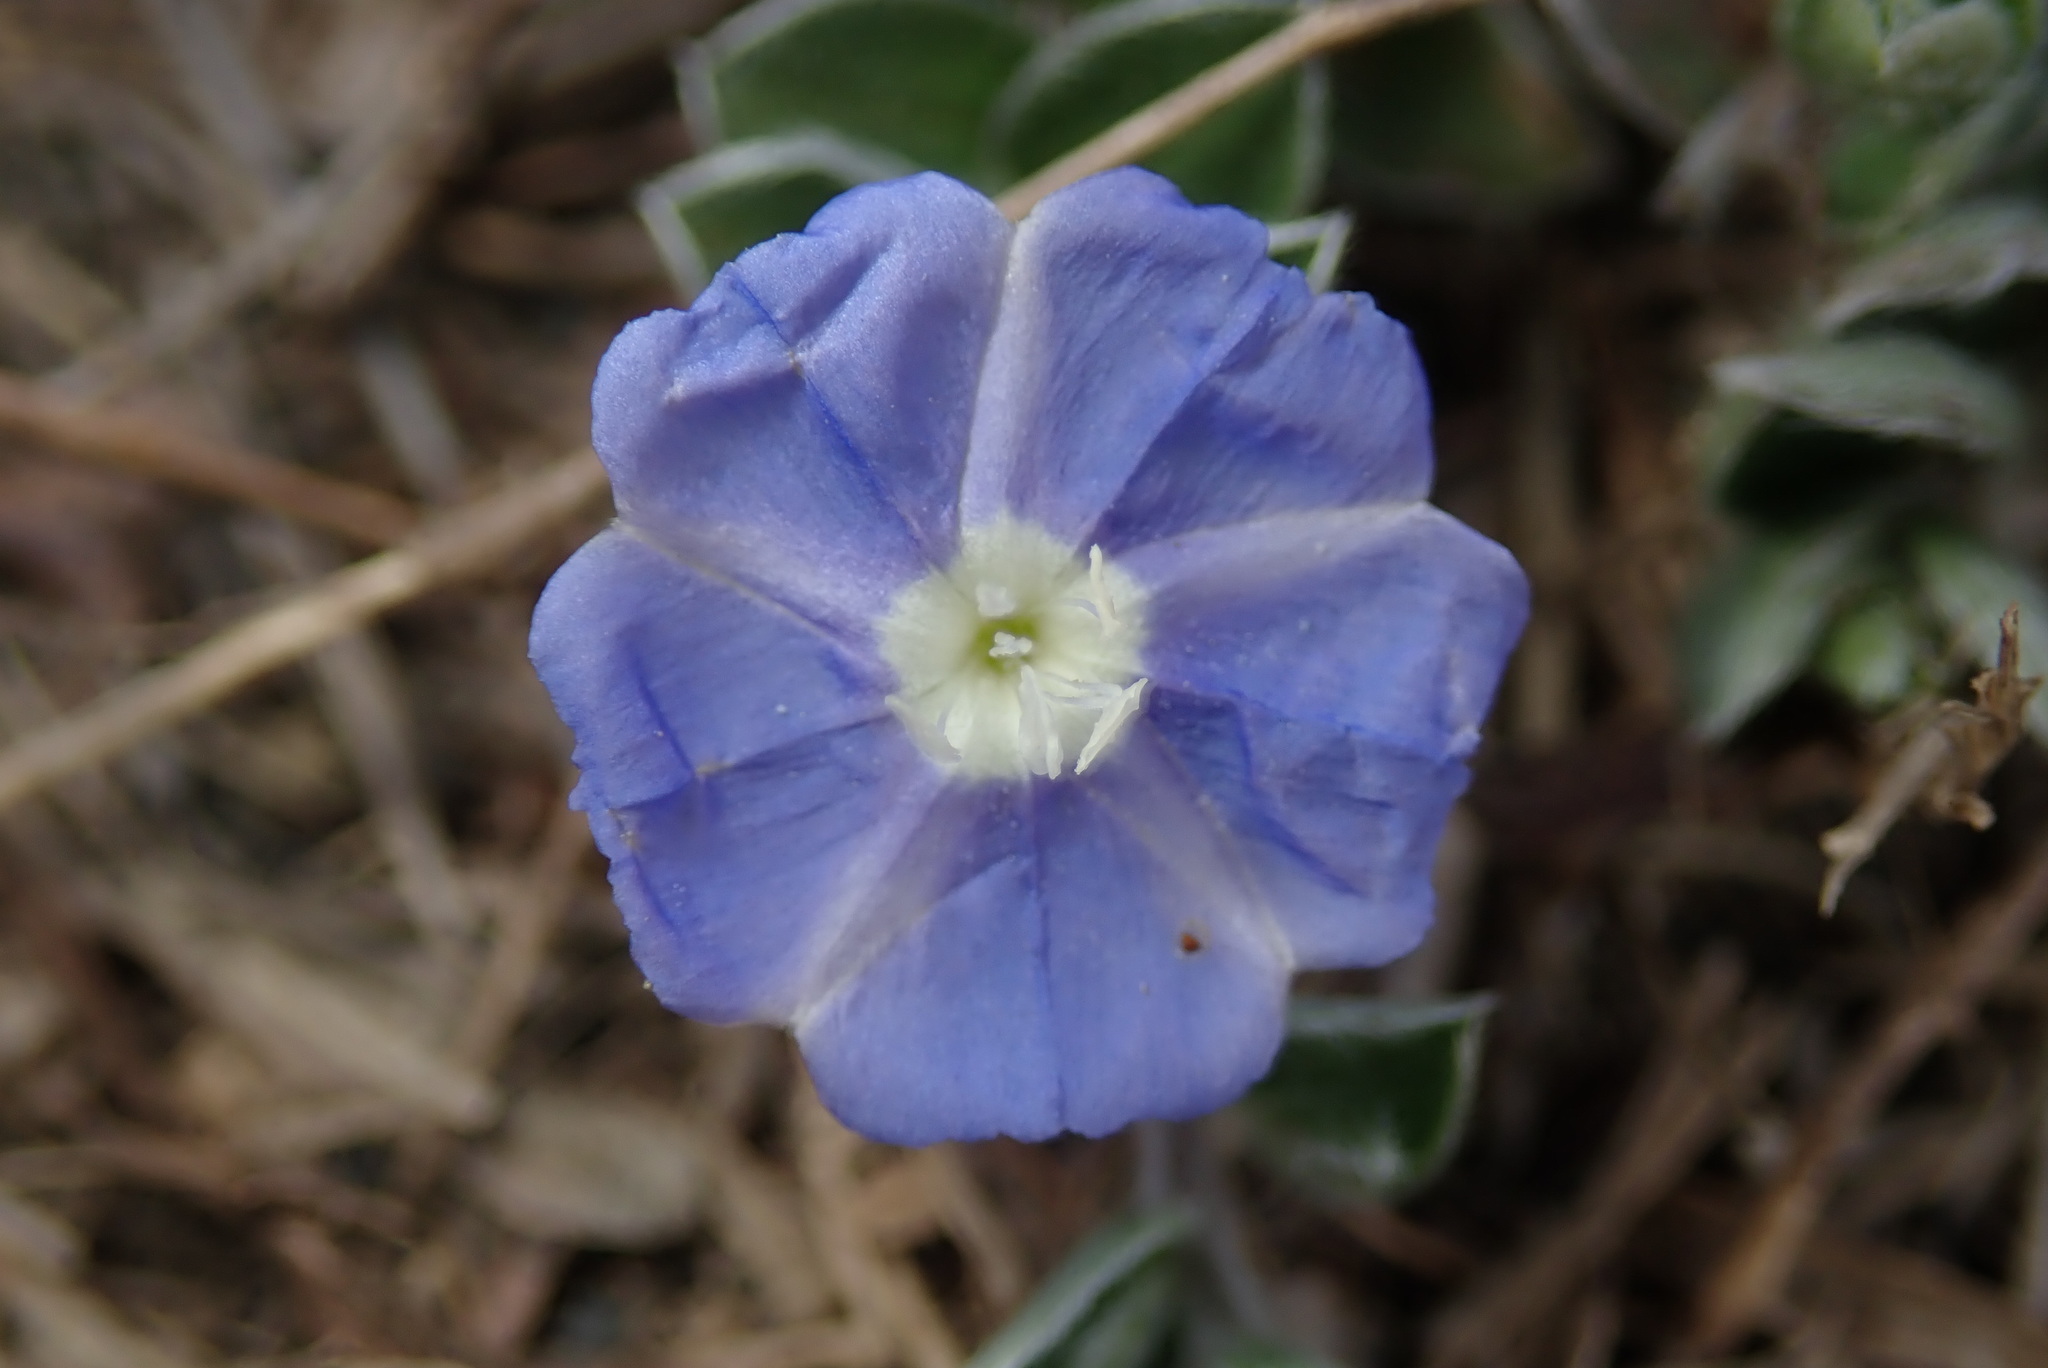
column 917, row 77
column 1368, row 1097
column 1460, row 114
column 1758, row 618
column 1263, row 153
column 1898, row 386
column 708, row 210
column 1873, row 652
column 1968, row 255
column 1113, row 1296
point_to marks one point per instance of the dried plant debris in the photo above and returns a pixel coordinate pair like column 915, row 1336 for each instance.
column 1948, row 752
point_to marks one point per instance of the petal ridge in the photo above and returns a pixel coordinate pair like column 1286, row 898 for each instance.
column 862, row 463
column 1065, row 411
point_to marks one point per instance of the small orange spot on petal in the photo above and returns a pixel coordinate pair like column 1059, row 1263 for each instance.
column 1189, row 942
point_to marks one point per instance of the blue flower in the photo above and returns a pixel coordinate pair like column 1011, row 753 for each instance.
column 1019, row 650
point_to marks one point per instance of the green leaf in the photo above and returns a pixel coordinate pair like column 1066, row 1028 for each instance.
column 1262, row 153
column 1895, row 386
column 1965, row 257
column 1368, row 1097
column 1948, row 61
column 1758, row 618
column 1245, row 1352
column 1665, row 63
column 1129, row 1324
column 1461, row 114
column 1115, row 1294
column 1873, row 653
column 1969, row 585
column 1913, row 62
column 708, row 210
column 1313, row 246
column 917, row 77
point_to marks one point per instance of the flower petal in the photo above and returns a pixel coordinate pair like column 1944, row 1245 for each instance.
column 888, row 298
column 664, row 671
column 1322, row 404
column 1049, row 957
column 938, row 1027
column 1338, row 830
column 1168, row 973
column 801, row 426
column 1389, row 621
column 1120, row 299
column 731, row 885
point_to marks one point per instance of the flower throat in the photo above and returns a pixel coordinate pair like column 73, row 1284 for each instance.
column 1017, row 658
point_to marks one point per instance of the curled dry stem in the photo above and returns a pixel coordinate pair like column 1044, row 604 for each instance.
column 1946, row 758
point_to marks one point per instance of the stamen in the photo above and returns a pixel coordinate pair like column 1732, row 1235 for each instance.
column 1036, row 727
column 1111, row 723
column 1017, row 660
column 1098, row 584
column 929, row 733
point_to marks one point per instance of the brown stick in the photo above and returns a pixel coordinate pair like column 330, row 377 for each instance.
column 465, row 542
column 143, row 447
column 1715, row 1056
column 1172, row 114
column 1751, row 1277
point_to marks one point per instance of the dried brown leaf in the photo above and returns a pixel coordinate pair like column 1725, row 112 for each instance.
column 595, row 1170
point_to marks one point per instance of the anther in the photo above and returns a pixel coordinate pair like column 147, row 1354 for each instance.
column 1098, row 584
column 1008, row 647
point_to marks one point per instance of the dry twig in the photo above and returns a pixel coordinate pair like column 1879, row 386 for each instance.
column 880, row 1293
column 157, row 451
column 466, row 542
column 1941, row 766
column 1933, row 1004
column 1166, row 118
column 1712, row 1059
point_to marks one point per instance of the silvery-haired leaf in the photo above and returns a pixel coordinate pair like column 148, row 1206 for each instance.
column 1313, row 246
column 1922, row 64
column 1460, row 114
column 1129, row 1324
column 709, row 209
column 1263, row 153
column 1937, row 68
column 1873, row 652
column 1368, row 1098
column 1664, row 63
column 1243, row 1352
column 1966, row 256
column 1114, row 1294
column 1896, row 386
column 1758, row 617
column 1720, row 431
column 1970, row 584
column 917, row 77
column 1959, row 158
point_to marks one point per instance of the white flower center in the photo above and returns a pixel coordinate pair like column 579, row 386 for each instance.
column 1016, row 656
